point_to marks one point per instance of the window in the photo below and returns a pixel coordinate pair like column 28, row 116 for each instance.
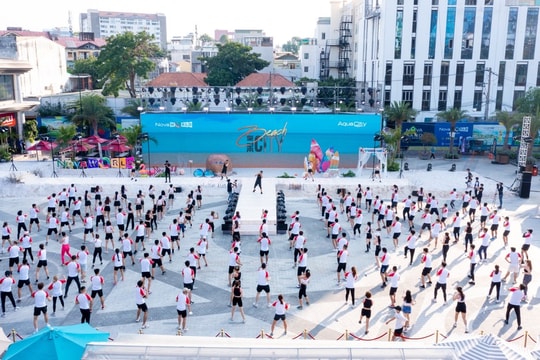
column 407, row 97
column 486, row 33
column 6, row 88
column 408, row 74
column 399, row 34
column 414, row 20
column 426, row 100
column 511, row 33
column 498, row 100
column 470, row 2
column 443, row 95
column 434, row 2
column 538, row 75
column 323, row 36
column 460, row 70
column 457, row 99
column 388, row 74
column 477, row 100
column 400, row 2
column 521, row 74
column 479, row 78
column 449, row 37
column 445, row 70
column 518, row 94
column 531, row 28
column 467, row 37
column 428, row 73
column 413, row 47
column 432, row 34
column 387, row 98
column 306, row 69
column 502, row 71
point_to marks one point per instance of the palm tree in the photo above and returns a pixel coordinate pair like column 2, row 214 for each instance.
column 398, row 112
column 508, row 120
column 133, row 108
column 92, row 111
column 452, row 116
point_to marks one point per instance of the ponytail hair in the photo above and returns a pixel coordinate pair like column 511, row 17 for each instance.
column 280, row 298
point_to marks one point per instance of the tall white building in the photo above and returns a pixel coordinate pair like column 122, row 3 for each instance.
column 477, row 55
column 106, row 23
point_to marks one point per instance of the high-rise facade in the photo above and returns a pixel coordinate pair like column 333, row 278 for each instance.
column 477, row 55
column 106, row 23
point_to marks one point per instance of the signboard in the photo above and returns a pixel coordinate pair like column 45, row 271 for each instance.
column 8, row 119
column 95, row 163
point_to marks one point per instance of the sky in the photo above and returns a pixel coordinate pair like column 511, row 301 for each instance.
column 281, row 19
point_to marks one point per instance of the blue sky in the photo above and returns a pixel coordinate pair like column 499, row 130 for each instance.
column 281, row 19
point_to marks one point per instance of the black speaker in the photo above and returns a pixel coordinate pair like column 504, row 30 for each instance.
column 525, row 188
column 178, row 189
column 93, row 189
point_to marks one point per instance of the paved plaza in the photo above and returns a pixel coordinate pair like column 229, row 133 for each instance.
column 327, row 317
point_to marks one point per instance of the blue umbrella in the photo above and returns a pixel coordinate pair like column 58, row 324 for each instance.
column 62, row 342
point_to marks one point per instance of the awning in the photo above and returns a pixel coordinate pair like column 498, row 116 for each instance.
column 14, row 66
column 20, row 106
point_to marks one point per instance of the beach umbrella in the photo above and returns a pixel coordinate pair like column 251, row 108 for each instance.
column 484, row 347
column 78, row 146
column 42, row 145
column 62, row 342
column 116, row 146
column 4, row 341
column 95, row 140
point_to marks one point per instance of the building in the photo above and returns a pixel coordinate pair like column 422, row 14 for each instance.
column 180, row 48
column 288, row 65
column 259, row 42
column 476, row 55
column 106, row 23
column 83, row 46
column 309, row 58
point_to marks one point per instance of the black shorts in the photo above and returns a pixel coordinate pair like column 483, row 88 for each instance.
column 97, row 292
column 52, row 230
column 13, row 261
column 398, row 332
column 62, row 203
column 127, row 253
column 171, row 197
column 146, row 274
column 231, row 269
column 198, row 197
column 300, row 270
column 107, row 208
column 341, row 266
column 384, row 268
column 426, row 226
column 366, row 313
column 483, row 218
column 108, row 236
column 138, row 207
column 525, row 247
column 381, row 217
column 334, row 236
column 116, row 268
column 39, row 310
column 461, row 307
column 396, row 236
column 494, row 227
column 87, row 203
column 42, row 263
column 506, row 232
column 143, row 307
column 279, row 317
column 263, row 253
column 76, row 212
column 188, row 286
column 237, row 301
column 64, row 223
column 181, row 313
column 51, row 209
column 265, row 288
column 21, row 283
column 388, row 223
column 88, row 231
column 121, row 227
column 394, row 204
column 465, row 204
column 159, row 208
column 420, row 198
column 165, row 252
column 377, row 250
column 411, row 217
column 116, row 203
column 426, row 271
column 157, row 262
column 368, row 201
column 393, row 290
column 175, row 238
column 34, row 220
column 139, row 239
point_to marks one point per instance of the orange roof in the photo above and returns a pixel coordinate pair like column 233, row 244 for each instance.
column 179, row 79
column 264, row 80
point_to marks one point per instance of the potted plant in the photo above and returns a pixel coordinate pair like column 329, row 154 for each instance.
column 503, row 156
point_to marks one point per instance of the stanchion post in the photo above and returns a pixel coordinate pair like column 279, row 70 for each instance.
column 481, row 332
column 14, row 335
column 179, row 332
column 346, row 334
column 305, row 334
column 222, row 333
column 436, row 336
column 262, row 334
column 526, row 337
column 389, row 334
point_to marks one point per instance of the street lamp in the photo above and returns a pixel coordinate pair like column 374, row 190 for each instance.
column 48, row 139
column 377, row 137
column 145, row 137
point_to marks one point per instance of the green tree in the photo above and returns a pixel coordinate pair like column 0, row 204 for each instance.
column 132, row 108
column 49, row 110
column 87, row 66
column 292, row 45
column 232, row 63
column 452, row 116
column 125, row 57
column 30, row 130
column 397, row 113
column 92, row 111
column 529, row 104
column 205, row 39
column 223, row 39
column 509, row 120
column 65, row 134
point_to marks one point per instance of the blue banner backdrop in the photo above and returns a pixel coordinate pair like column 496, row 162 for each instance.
column 259, row 133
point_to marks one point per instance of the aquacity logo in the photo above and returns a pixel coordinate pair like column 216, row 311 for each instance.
column 356, row 124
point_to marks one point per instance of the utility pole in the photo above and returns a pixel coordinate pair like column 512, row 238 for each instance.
column 486, row 115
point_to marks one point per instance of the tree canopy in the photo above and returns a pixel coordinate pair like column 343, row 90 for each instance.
column 530, row 103
column 87, row 66
column 452, row 116
column 292, row 45
column 232, row 63
column 125, row 57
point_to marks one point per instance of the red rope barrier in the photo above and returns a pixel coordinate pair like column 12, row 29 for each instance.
column 519, row 337
column 418, row 338
column 376, row 338
column 312, row 338
column 339, row 338
column 441, row 335
column 531, row 338
column 297, row 336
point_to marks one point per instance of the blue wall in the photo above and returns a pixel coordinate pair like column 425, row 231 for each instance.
column 242, row 133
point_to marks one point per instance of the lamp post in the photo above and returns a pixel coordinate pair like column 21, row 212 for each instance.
column 79, row 139
column 48, row 139
column 145, row 137
column 377, row 137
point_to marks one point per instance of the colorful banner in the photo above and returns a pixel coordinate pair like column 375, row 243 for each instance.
column 8, row 119
column 95, row 163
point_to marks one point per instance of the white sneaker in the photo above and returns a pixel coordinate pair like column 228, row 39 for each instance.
column 145, row 326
